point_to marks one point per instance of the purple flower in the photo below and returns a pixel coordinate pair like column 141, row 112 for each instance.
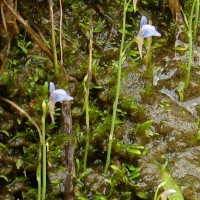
column 148, row 31
column 58, row 94
column 55, row 96
column 143, row 21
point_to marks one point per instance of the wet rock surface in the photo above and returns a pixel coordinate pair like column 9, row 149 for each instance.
column 177, row 129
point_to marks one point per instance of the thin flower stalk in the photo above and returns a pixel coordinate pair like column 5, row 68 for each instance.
column 149, row 52
column 44, row 156
column 53, row 37
column 196, row 19
column 121, row 60
column 61, row 21
column 87, row 82
column 187, row 80
column 39, row 174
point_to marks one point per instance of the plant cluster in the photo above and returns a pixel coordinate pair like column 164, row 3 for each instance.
column 60, row 145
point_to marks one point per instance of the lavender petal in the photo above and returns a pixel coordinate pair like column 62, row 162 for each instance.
column 143, row 21
column 51, row 87
column 148, row 31
column 60, row 95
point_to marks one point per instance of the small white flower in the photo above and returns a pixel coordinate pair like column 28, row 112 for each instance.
column 167, row 193
column 56, row 95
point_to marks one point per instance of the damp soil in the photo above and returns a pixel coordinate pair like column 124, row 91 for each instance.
column 172, row 130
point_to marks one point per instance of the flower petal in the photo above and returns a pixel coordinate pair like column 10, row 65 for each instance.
column 140, row 41
column 148, row 31
column 143, row 21
column 51, row 87
column 51, row 105
column 60, row 95
column 134, row 5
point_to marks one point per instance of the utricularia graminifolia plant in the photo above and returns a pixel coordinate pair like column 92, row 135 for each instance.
column 56, row 95
column 146, row 30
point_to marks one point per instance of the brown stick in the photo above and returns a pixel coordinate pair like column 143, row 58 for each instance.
column 69, row 149
column 24, row 113
column 61, row 46
column 35, row 36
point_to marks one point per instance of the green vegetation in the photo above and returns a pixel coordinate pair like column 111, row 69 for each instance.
column 87, row 82
column 121, row 60
column 44, row 158
column 192, row 34
column 99, row 144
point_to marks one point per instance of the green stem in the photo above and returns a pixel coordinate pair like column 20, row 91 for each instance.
column 44, row 158
column 87, row 128
column 87, row 82
column 121, row 60
column 148, row 55
column 187, row 80
column 39, row 173
column 149, row 44
column 196, row 20
column 53, row 37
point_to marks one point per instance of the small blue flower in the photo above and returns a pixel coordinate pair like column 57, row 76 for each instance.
column 148, row 31
column 51, row 87
column 58, row 94
column 55, row 96
column 143, row 21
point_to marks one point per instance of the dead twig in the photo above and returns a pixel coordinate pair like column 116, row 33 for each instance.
column 61, row 46
column 24, row 113
column 29, row 29
column 55, row 60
